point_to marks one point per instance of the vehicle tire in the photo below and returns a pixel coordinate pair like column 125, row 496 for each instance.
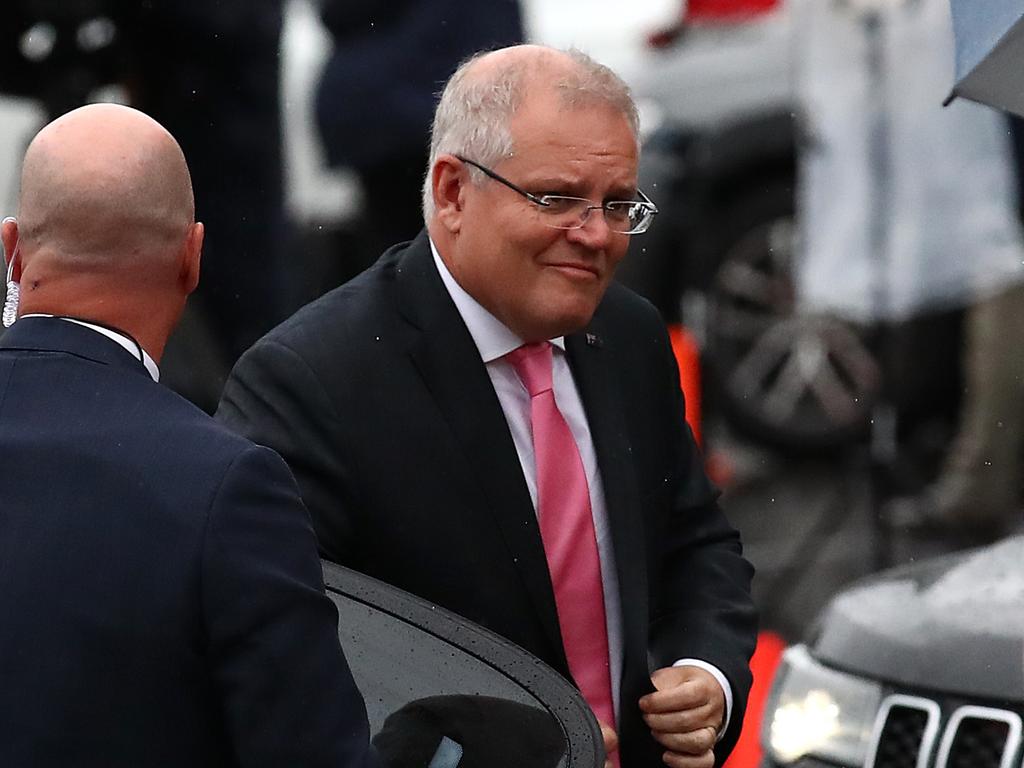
column 794, row 382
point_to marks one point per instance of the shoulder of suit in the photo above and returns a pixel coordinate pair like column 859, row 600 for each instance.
column 620, row 301
column 334, row 315
column 160, row 429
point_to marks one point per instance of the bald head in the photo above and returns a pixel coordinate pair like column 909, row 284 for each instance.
column 102, row 186
column 106, row 226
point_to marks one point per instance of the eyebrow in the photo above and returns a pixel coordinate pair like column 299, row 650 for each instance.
column 575, row 187
column 624, row 193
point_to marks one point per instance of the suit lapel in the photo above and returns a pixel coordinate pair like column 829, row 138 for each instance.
column 591, row 356
column 446, row 357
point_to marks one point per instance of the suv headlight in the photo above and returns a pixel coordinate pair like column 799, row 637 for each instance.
column 817, row 711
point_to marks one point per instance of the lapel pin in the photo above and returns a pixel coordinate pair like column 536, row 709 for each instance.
column 593, row 340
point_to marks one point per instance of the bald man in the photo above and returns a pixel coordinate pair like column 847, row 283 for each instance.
column 161, row 594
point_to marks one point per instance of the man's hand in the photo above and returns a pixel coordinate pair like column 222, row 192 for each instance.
column 684, row 714
column 611, row 743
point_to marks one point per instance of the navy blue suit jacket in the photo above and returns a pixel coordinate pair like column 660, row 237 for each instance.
column 377, row 93
column 161, row 599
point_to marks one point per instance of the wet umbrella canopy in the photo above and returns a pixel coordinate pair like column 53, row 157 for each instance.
column 990, row 52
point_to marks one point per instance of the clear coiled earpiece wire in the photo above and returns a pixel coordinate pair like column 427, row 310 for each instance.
column 12, row 297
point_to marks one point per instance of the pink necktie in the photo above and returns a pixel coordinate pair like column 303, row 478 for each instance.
column 567, row 529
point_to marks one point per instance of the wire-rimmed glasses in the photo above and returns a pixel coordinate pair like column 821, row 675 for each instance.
column 627, row 217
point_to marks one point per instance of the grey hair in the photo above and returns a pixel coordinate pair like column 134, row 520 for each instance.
column 473, row 115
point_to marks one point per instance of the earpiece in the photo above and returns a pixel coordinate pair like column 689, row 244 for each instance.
column 11, row 300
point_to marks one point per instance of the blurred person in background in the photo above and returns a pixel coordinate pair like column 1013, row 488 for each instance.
column 486, row 419
column 909, row 209
column 223, row 103
column 376, row 96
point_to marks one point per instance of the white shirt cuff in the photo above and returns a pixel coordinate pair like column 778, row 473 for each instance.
column 726, row 689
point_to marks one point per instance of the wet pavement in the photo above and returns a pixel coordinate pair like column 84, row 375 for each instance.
column 809, row 526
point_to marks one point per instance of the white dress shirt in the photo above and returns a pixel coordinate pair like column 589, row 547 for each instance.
column 494, row 340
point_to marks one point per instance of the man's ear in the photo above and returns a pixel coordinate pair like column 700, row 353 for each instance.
column 192, row 254
column 9, row 236
column 448, row 180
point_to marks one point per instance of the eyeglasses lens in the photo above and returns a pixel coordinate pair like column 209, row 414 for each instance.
column 572, row 213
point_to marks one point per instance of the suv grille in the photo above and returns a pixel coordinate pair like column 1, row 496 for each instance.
column 907, row 735
column 978, row 737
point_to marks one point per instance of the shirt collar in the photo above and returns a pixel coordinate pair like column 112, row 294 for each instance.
column 493, row 338
column 125, row 341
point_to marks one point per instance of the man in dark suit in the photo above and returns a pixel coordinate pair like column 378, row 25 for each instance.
column 483, row 418
column 161, row 593
column 390, row 57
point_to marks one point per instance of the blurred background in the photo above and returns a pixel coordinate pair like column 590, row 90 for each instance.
column 839, row 258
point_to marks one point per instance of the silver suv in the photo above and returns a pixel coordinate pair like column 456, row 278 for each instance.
column 920, row 666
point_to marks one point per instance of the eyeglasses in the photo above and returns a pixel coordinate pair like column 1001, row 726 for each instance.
column 627, row 217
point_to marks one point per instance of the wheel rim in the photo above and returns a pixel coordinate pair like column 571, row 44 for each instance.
column 796, row 378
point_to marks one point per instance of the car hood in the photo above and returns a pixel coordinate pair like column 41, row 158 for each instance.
column 953, row 624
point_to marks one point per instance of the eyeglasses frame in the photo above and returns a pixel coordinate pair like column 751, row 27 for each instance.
column 540, row 200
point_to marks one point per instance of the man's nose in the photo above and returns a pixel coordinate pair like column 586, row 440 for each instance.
column 595, row 232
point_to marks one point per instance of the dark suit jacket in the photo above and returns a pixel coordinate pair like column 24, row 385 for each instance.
column 377, row 397
column 378, row 88
column 160, row 592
